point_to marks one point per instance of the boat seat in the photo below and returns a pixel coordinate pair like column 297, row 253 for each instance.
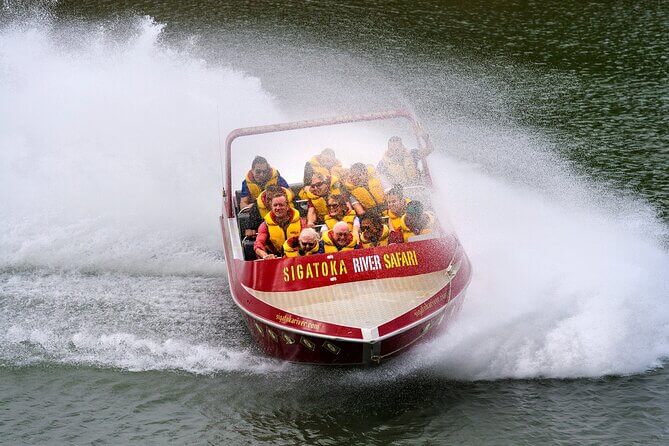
column 246, row 220
column 238, row 198
column 247, row 248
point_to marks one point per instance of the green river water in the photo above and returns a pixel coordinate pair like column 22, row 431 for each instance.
column 551, row 122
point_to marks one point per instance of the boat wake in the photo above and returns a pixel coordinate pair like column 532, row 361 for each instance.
column 135, row 323
column 110, row 252
column 129, row 352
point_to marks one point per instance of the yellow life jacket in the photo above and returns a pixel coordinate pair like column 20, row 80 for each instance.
column 330, row 246
column 394, row 219
column 402, row 172
column 262, row 207
column 289, row 251
column 382, row 242
column 320, row 203
column 368, row 196
column 407, row 233
column 254, row 188
column 349, row 217
column 277, row 235
column 333, row 172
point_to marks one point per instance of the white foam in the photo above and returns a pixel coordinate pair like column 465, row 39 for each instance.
column 561, row 288
column 109, row 149
column 128, row 351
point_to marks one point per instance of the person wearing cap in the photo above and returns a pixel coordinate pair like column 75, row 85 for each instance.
column 399, row 165
column 257, row 179
column 308, row 243
column 340, row 238
column 365, row 189
column 416, row 221
column 372, row 231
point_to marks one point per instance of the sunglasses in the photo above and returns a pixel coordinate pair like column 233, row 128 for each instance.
column 319, row 184
column 333, row 206
column 309, row 244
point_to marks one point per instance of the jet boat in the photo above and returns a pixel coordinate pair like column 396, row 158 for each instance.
column 350, row 307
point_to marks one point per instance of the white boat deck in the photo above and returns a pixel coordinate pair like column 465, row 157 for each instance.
column 365, row 304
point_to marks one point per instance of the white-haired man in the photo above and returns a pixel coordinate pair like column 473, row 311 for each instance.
column 306, row 244
column 340, row 238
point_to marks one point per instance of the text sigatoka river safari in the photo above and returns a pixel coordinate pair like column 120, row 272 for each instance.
column 349, row 266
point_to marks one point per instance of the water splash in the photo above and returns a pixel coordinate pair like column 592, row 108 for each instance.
column 562, row 288
column 130, row 352
column 110, row 166
column 110, row 156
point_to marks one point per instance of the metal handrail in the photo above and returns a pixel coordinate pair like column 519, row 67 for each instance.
column 246, row 208
column 421, row 136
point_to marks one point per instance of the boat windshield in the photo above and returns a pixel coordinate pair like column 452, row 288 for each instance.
column 321, row 189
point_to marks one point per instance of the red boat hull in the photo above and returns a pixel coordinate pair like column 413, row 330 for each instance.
column 296, row 338
column 294, row 347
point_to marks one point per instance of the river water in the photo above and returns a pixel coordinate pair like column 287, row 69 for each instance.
column 551, row 125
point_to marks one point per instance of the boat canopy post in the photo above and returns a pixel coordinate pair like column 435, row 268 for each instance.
column 423, row 141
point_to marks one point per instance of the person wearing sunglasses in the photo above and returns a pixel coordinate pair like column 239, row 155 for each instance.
column 319, row 188
column 308, row 243
column 339, row 210
column 257, row 179
column 372, row 231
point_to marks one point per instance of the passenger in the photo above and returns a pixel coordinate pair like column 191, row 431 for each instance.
column 338, row 210
column 365, row 189
column 308, row 243
column 397, row 206
column 416, row 221
column 340, row 238
column 282, row 223
column 327, row 164
column 257, row 179
column 372, row 231
column 319, row 188
column 399, row 165
column 306, row 180
column 265, row 198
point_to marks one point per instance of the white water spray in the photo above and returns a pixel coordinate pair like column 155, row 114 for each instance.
column 110, row 157
column 562, row 288
column 109, row 164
